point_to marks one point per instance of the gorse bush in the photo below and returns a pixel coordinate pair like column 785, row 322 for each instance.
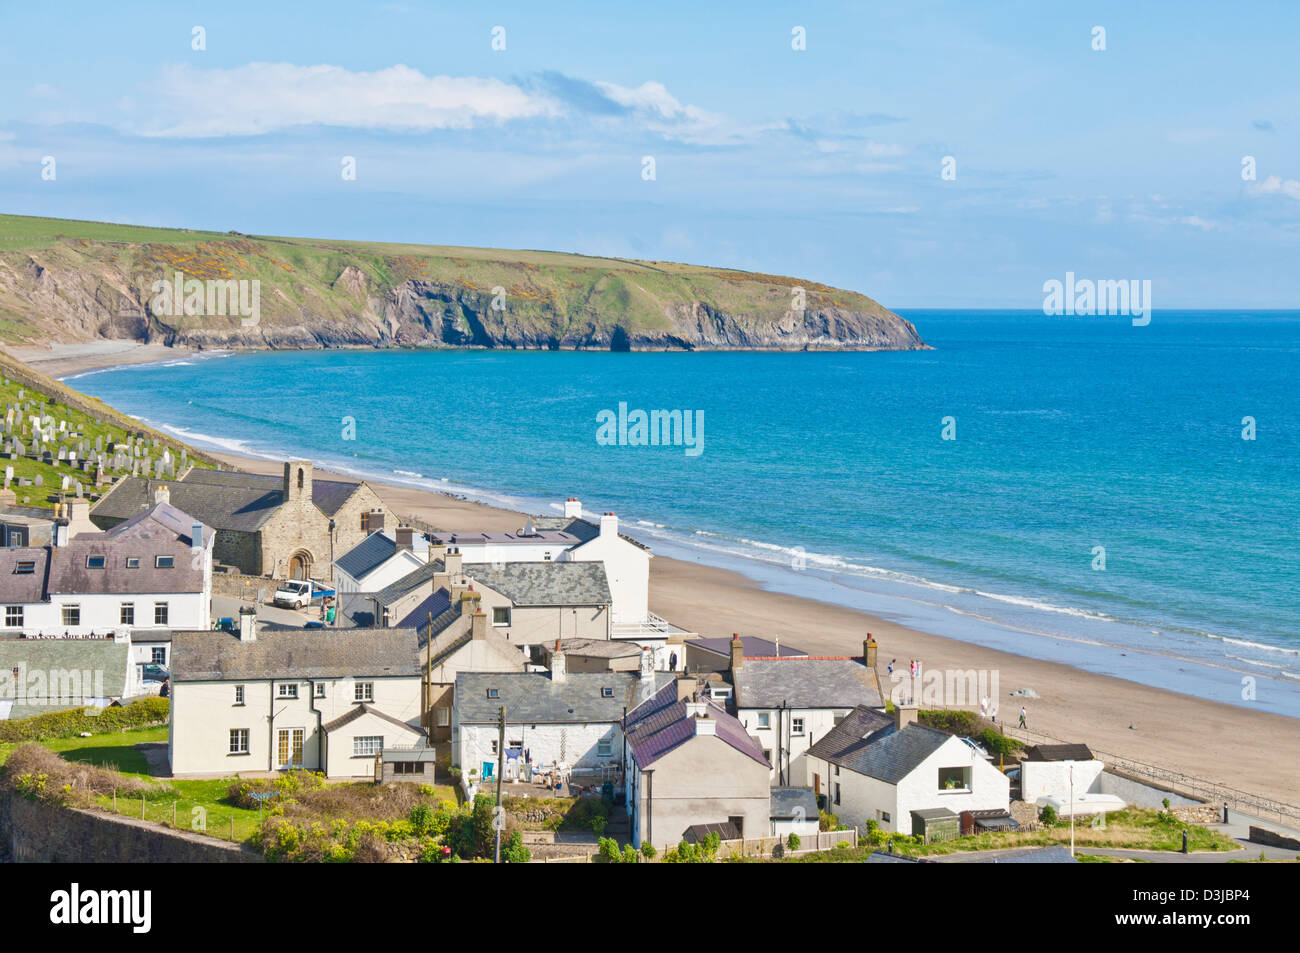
column 37, row 772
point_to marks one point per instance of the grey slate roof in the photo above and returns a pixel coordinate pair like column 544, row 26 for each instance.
column 796, row 803
column 585, row 530
column 367, row 555
column 806, row 683
column 105, row 659
column 848, row 734
column 295, row 654
column 535, row 698
column 409, row 583
column 223, row 499
column 161, row 530
column 27, row 587
column 890, row 755
column 545, row 584
column 1058, row 753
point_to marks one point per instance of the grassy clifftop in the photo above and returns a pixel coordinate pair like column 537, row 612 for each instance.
column 71, row 280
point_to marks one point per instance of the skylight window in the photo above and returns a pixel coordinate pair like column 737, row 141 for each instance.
column 94, row 562
column 25, row 567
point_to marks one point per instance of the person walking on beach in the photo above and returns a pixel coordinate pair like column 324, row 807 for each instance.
column 1022, row 717
column 890, row 667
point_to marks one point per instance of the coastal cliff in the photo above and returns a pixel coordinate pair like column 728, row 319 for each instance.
column 70, row 281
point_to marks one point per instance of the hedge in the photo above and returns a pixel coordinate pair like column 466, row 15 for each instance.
column 72, row 722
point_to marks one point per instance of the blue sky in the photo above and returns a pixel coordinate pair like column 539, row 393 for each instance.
column 822, row 163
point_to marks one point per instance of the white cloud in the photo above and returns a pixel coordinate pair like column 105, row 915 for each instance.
column 264, row 97
column 1276, row 185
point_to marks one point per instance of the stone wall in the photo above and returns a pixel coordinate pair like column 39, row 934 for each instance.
column 299, row 526
column 1262, row 835
column 36, row 832
column 238, row 586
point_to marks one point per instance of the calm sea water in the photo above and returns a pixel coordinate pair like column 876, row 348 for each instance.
column 828, row 474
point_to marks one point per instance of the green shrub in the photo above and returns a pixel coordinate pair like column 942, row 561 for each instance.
column 830, row 822
column 792, row 842
column 96, row 721
column 1047, row 816
column 648, row 850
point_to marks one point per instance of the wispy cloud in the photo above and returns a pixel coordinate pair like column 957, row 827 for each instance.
column 1276, row 185
column 265, row 97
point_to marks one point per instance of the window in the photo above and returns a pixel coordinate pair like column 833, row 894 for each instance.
column 494, row 693
column 318, row 690
column 837, row 770
column 407, row 767
column 94, row 562
column 954, row 779
column 158, row 655
column 796, row 726
column 164, row 562
column 132, row 562
column 160, row 613
column 367, row 746
column 365, row 523
column 289, row 690
column 239, row 739
column 604, row 748
column 607, row 693
column 443, row 716
column 500, row 615
column 72, row 615
column 14, row 617
column 239, row 694
column 363, row 692
column 884, row 816
column 126, row 613
column 837, row 792
column 764, row 719
column 494, row 746
column 24, row 567
column 767, row 755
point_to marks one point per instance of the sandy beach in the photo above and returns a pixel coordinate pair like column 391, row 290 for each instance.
column 1234, row 746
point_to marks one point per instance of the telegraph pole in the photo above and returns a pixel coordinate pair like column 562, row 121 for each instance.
column 497, row 821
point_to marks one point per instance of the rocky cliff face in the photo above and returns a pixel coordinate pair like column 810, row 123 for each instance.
column 312, row 295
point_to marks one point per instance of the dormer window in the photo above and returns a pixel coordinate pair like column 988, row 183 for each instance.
column 94, row 562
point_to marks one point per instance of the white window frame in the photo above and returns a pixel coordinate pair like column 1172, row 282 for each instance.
column 367, row 746
column 239, row 694
column 286, row 690
column 124, row 610
column 165, row 611
column 605, row 748
column 363, row 692
column 169, row 564
column 796, row 726
column 10, row 613
column 238, row 740
column 504, row 609
column 764, row 719
column 70, row 607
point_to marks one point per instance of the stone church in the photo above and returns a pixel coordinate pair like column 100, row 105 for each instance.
column 291, row 526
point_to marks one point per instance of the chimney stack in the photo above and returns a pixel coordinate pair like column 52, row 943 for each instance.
column 869, row 648
column 558, row 673
column 572, row 508
column 647, row 663
column 405, row 537
column 376, row 521
column 452, row 564
column 904, row 715
column 704, row 725
column 686, row 687
column 609, row 525
column 478, row 625
column 737, row 652
column 247, row 624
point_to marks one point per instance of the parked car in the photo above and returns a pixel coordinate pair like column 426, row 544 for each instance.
column 299, row 593
column 978, row 748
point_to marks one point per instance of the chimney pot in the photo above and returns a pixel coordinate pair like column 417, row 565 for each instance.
column 247, row 624
column 737, row 652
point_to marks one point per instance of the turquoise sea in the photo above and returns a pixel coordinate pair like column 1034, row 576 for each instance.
column 827, row 474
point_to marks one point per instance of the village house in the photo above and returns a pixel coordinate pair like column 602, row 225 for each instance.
column 462, row 641
column 788, row 702
column 573, row 538
column 555, row 721
column 289, row 526
column 714, row 654
column 33, row 526
column 40, row 675
column 153, row 571
column 270, row 700
column 381, row 559
column 689, row 764
column 531, row 604
column 906, row 777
